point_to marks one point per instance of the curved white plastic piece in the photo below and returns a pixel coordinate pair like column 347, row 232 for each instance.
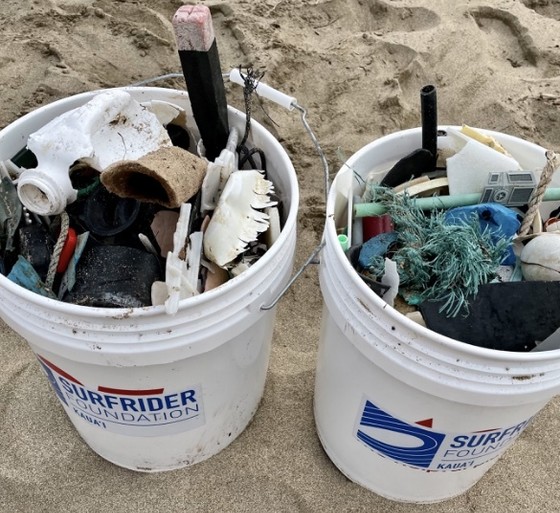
column 112, row 126
column 218, row 173
column 282, row 99
column 238, row 219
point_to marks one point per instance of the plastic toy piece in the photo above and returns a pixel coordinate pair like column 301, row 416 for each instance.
column 509, row 188
column 238, row 219
column 110, row 127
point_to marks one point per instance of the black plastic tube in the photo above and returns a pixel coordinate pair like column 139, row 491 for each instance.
column 428, row 103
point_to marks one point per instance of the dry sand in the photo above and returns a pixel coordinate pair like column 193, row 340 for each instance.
column 357, row 66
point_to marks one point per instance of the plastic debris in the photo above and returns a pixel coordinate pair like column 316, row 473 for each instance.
column 107, row 168
column 25, row 275
column 467, row 170
column 500, row 316
column 238, row 218
column 114, row 277
column 112, row 126
column 10, row 215
column 500, row 222
column 218, row 173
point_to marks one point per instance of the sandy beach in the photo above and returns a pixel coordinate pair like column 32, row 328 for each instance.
column 357, row 66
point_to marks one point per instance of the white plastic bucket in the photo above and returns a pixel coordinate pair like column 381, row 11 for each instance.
column 146, row 390
column 408, row 413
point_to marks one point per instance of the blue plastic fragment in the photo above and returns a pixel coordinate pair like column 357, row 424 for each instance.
column 500, row 221
column 376, row 246
column 24, row 274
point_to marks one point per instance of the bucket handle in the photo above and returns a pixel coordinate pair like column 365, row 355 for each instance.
column 290, row 103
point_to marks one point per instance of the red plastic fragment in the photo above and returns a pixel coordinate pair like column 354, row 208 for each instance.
column 67, row 250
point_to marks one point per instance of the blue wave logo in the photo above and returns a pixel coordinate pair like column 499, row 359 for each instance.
column 391, row 437
column 53, row 382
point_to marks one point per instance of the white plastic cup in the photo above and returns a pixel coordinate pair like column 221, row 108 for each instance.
column 146, row 390
column 408, row 413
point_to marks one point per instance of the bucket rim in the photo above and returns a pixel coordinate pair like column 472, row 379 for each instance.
column 330, row 235
column 195, row 301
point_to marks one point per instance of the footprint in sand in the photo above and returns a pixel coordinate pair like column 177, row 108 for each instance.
column 378, row 16
column 509, row 39
column 548, row 8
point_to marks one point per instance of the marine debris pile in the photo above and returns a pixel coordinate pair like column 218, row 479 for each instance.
column 111, row 204
column 462, row 235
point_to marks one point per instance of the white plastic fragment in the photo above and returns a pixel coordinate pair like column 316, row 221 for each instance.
column 9, row 170
column 218, row 173
column 392, row 280
column 166, row 112
column 467, row 170
column 274, row 227
column 179, row 281
column 238, row 219
column 112, row 126
column 194, row 254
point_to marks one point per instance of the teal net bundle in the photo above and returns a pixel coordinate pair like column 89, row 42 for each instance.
column 436, row 260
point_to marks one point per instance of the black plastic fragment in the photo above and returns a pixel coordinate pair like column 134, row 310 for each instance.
column 510, row 316
column 36, row 246
column 412, row 166
column 114, row 277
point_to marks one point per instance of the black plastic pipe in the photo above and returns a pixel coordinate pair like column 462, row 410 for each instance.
column 428, row 103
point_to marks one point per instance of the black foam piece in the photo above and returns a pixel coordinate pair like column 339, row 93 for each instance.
column 511, row 316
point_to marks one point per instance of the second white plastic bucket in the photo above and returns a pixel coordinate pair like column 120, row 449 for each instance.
column 147, row 390
column 408, row 413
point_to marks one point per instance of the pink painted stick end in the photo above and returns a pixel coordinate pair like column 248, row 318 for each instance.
column 193, row 28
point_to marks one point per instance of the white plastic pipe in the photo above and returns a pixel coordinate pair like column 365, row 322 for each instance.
column 282, row 99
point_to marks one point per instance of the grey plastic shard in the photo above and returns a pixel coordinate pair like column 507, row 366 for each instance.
column 10, row 213
column 238, row 218
column 111, row 127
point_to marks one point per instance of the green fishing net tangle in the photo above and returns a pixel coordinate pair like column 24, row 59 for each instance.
column 437, row 261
